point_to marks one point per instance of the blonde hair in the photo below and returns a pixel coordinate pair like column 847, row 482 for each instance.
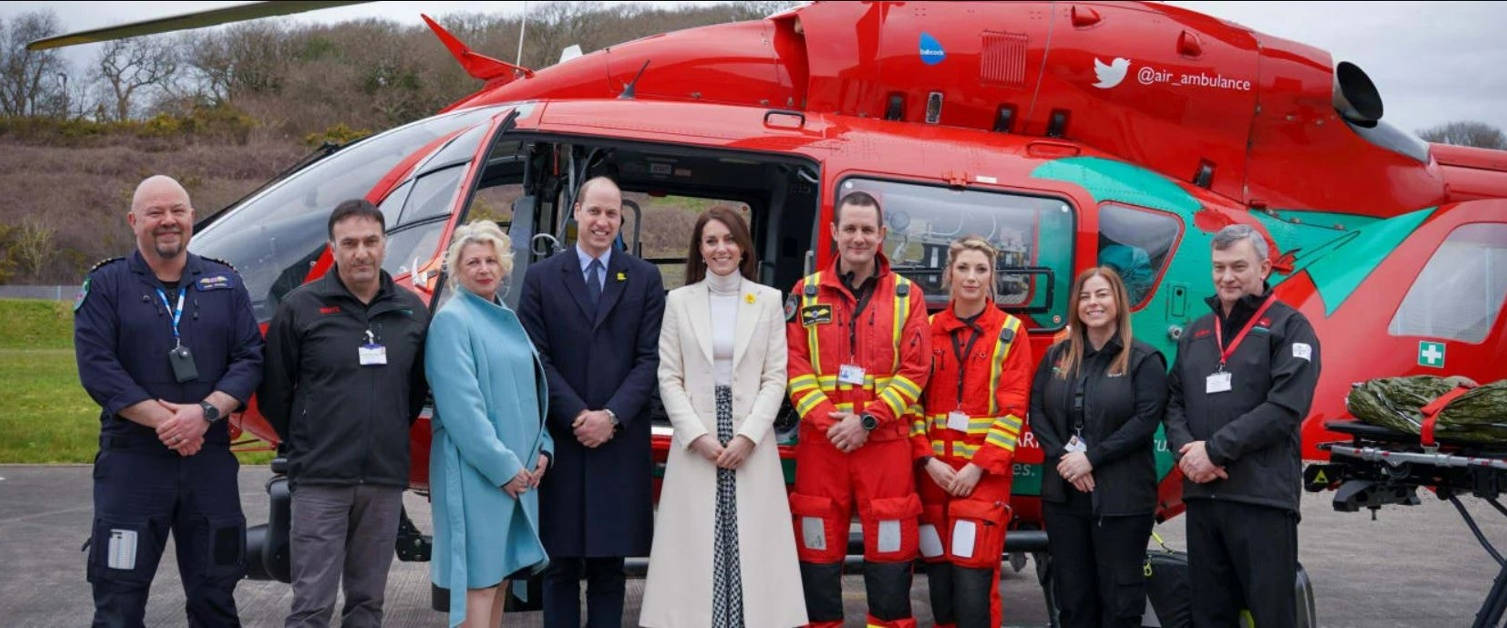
column 1077, row 338
column 478, row 232
column 971, row 243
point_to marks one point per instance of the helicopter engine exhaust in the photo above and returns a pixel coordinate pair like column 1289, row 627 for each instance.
column 1355, row 96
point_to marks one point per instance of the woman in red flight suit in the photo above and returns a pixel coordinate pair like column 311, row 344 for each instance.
column 964, row 438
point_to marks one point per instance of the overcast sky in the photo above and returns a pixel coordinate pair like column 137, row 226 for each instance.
column 1434, row 62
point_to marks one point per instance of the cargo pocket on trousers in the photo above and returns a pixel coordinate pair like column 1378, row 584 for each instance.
column 978, row 533
column 889, row 528
column 1129, row 595
column 123, row 554
column 226, row 545
column 819, row 536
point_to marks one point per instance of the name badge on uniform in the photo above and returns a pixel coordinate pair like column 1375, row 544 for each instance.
column 1075, row 445
column 850, row 374
column 371, row 353
column 1217, row 383
column 957, row 420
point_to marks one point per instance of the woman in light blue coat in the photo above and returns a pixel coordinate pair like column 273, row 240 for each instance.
column 490, row 447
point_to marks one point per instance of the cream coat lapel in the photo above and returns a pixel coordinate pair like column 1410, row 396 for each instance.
column 699, row 311
column 749, row 306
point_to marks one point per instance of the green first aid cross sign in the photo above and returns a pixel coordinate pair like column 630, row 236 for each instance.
column 1431, row 354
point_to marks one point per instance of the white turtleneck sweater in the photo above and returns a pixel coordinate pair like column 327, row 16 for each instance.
column 724, row 306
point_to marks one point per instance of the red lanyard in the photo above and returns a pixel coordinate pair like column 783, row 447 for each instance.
column 1226, row 352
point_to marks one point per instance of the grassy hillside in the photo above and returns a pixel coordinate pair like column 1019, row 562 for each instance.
column 45, row 415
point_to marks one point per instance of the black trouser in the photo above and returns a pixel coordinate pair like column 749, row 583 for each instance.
column 143, row 493
column 1242, row 556
column 1097, row 566
column 605, row 587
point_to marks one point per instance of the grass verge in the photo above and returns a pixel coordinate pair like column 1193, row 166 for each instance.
column 45, row 415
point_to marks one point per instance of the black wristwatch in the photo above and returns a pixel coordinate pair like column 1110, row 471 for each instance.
column 211, row 413
column 868, row 421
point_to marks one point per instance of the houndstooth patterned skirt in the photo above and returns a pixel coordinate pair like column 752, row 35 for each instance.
column 727, row 579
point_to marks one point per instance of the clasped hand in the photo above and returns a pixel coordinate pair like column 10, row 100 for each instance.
column 1076, row 469
column 957, row 483
column 1197, row 467
column 731, row 456
column 593, row 427
column 526, row 479
column 181, row 427
column 847, row 435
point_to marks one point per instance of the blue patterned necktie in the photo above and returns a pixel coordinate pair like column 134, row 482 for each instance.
column 593, row 285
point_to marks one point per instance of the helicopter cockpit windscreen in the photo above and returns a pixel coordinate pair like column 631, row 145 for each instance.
column 273, row 238
column 1034, row 236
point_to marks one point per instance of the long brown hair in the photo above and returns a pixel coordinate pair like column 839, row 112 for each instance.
column 695, row 265
column 1071, row 358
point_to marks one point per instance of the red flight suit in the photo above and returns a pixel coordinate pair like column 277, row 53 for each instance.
column 972, row 411
column 832, row 335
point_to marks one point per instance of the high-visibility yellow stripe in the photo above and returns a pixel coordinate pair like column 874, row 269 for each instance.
column 902, row 312
column 938, row 448
column 808, row 403
column 997, row 368
column 803, row 383
column 906, row 386
column 808, row 299
column 996, row 439
column 893, row 399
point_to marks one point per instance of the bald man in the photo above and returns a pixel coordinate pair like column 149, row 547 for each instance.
column 167, row 344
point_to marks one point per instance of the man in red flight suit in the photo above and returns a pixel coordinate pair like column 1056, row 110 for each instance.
column 964, row 439
column 859, row 357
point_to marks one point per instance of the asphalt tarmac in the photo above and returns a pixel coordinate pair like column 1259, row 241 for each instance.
column 1414, row 566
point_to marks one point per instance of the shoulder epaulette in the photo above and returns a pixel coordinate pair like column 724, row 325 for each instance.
column 220, row 262
column 104, row 262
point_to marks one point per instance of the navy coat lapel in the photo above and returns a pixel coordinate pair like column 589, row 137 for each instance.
column 575, row 281
column 613, row 286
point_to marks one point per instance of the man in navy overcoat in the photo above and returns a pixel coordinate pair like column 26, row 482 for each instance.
column 594, row 314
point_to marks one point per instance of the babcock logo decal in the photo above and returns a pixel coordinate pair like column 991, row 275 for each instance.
column 1112, row 73
column 931, row 50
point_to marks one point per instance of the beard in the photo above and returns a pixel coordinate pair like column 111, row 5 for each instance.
column 169, row 250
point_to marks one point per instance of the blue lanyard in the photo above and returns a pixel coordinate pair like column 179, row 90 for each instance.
column 177, row 313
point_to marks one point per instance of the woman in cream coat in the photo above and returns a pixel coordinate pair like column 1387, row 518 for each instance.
column 723, row 554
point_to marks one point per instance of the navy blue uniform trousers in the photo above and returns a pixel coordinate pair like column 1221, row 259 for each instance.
column 143, row 492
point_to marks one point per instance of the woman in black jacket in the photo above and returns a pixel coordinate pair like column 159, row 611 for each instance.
column 1096, row 402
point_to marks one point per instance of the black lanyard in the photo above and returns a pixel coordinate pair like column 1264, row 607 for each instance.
column 962, row 354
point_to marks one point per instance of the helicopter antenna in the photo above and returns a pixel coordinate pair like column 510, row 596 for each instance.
column 522, row 26
column 628, row 90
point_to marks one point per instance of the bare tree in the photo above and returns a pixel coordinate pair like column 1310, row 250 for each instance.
column 244, row 59
column 1466, row 133
column 126, row 68
column 29, row 83
column 33, row 246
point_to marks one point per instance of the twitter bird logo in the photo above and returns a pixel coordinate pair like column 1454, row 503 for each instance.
column 1110, row 74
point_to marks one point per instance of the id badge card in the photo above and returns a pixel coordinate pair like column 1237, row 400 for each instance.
column 957, row 420
column 851, row 374
column 1075, row 445
column 182, row 361
column 373, row 355
column 1217, row 383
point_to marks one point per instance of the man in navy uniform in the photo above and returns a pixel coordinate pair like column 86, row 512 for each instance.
column 168, row 346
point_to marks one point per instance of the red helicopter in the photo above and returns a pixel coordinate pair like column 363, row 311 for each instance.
column 1068, row 133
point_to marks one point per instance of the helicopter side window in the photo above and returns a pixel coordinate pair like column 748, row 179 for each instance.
column 1033, row 234
column 1459, row 293
column 274, row 238
column 1137, row 243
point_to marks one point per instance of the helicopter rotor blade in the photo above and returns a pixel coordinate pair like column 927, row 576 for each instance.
column 200, row 19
